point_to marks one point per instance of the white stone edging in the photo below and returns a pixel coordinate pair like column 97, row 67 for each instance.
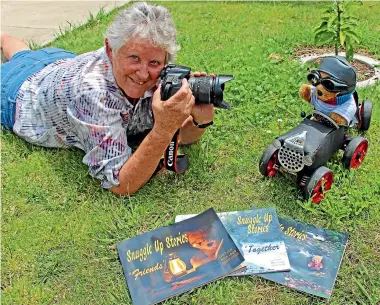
column 373, row 63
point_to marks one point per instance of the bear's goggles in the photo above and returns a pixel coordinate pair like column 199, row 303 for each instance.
column 329, row 83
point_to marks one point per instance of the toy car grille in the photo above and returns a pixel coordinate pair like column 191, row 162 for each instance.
column 291, row 154
column 290, row 159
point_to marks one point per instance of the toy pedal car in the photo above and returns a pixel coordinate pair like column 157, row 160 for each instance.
column 305, row 150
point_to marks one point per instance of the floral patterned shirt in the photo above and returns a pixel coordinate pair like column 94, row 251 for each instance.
column 76, row 102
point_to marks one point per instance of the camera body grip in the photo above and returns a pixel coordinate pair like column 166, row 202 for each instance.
column 172, row 82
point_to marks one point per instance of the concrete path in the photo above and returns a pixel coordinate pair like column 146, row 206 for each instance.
column 39, row 21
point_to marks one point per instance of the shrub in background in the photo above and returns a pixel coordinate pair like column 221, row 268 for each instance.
column 340, row 26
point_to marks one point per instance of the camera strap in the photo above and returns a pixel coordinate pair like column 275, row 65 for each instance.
column 172, row 161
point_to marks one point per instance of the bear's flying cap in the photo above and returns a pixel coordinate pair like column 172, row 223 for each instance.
column 339, row 68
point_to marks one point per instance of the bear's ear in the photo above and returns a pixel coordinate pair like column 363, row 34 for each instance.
column 305, row 92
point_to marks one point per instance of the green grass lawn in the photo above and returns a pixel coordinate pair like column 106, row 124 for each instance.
column 60, row 229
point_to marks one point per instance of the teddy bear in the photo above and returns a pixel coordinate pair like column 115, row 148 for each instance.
column 209, row 248
column 316, row 262
column 330, row 90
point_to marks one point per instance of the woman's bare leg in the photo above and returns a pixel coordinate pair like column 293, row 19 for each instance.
column 11, row 45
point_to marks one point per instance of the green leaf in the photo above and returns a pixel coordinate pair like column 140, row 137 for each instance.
column 324, row 37
column 350, row 4
column 347, row 27
column 325, row 30
column 332, row 20
column 349, row 21
column 349, row 53
column 364, row 291
column 355, row 19
column 325, row 17
column 364, row 268
column 323, row 25
column 349, row 49
column 342, row 37
column 353, row 35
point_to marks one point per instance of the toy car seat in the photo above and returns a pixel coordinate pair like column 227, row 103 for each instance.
column 363, row 112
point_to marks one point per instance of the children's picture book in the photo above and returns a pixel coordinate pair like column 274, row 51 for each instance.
column 258, row 235
column 173, row 259
column 315, row 255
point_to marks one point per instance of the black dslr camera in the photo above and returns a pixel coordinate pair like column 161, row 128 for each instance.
column 206, row 89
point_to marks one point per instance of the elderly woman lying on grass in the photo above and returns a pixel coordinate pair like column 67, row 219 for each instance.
column 103, row 101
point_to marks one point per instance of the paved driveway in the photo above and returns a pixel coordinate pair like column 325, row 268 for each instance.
column 38, row 21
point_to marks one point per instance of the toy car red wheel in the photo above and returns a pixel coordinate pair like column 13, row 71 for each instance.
column 365, row 115
column 355, row 152
column 318, row 184
column 269, row 162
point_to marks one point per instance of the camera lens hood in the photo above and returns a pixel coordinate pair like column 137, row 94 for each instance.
column 218, row 86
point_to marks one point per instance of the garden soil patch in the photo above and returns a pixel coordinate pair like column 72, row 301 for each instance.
column 363, row 71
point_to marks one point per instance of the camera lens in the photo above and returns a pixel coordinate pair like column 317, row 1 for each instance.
column 209, row 90
column 201, row 87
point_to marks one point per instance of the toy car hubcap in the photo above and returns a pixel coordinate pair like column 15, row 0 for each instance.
column 272, row 166
column 323, row 185
column 359, row 154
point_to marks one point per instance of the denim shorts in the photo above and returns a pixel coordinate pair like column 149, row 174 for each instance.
column 14, row 72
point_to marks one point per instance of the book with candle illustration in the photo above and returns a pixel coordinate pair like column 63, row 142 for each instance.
column 258, row 235
column 315, row 255
column 174, row 259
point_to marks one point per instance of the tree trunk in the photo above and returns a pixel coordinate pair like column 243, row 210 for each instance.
column 337, row 29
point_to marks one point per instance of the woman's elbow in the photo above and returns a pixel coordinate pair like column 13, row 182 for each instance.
column 123, row 190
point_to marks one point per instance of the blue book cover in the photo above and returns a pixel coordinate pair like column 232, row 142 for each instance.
column 174, row 259
column 258, row 235
column 315, row 255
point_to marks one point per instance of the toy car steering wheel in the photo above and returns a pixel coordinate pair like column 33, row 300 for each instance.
column 324, row 119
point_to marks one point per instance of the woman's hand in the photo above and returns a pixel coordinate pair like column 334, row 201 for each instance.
column 169, row 115
column 203, row 113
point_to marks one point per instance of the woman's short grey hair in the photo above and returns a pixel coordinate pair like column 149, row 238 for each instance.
column 144, row 22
